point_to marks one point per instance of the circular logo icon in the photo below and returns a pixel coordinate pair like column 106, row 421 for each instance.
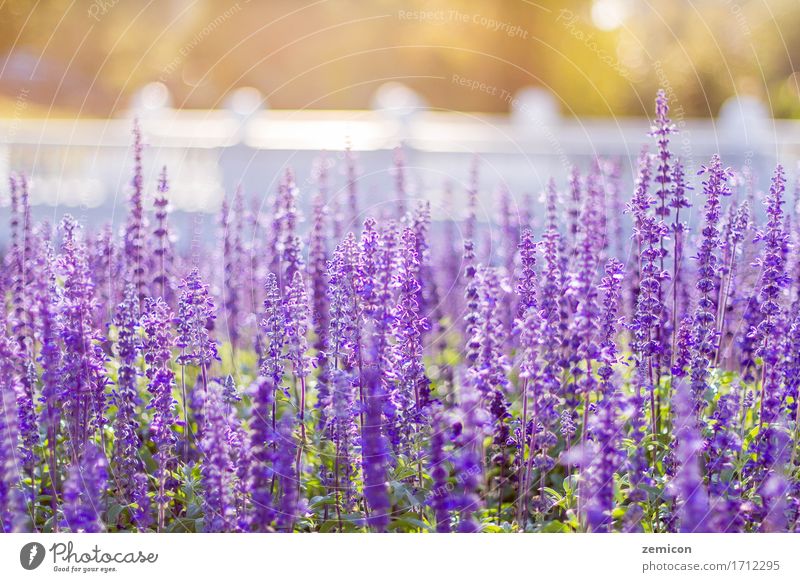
column 31, row 555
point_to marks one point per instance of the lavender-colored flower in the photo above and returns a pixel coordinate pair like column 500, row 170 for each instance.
column 687, row 484
column 704, row 340
column 352, row 174
column 163, row 251
column 83, row 376
column 649, row 231
column 296, row 326
column 582, row 291
column 12, row 502
column 468, row 460
column 611, row 285
column 437, row 462
column 106, row 269
column 233, row 260
column 636, row 465
column 47, row 298
column 285, row 471
column 135, row 225
column 262, row 451
column 723, row 445
column 130, row 476
column 774, row 281
column 195, row 313
column 399, row 173
column 606, row 461
column 411, row 398
column 678, row 201
column 526, row 280
column 84, row 491
column 320, row 314
column 374, row 453
column 217, row 472
column 342, row 271
column 776, row 486
column 661, row 130
column 157, row 349
column 272, row 328
column 489, row 373
column 343, row 430
column 291, row 247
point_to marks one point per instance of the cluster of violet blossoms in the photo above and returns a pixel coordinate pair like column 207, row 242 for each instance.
column 597, row 360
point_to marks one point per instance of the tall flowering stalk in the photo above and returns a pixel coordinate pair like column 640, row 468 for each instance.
column 157, row 348
column 661, row 130
column 526, row 290
column 678, row 202
column 295, row 330
column 262, row 451
column 12, row 502
column 542, row 367
column 83, row 376
column 408, row 371
column 47, row 298
column 774, row 281
column 232, row 225
column 375, row 452
column 737, row 230
column 163, row 251
column 649, row 231
column 705, row 339
column 130, row 477
column 134, row 242
column 489, row 374
column 195, row 313
column 320, row 312
column 216, row 469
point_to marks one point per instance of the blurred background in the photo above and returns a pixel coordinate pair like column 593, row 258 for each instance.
column 599, row 57
column 230, row 92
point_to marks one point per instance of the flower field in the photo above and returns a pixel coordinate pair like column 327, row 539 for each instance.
column 605, row 359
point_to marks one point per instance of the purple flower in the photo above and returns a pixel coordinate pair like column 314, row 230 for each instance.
column 661, row 130
column 285, row 471
column 526, row 280
column 375, row 452
column 774, row 281
column 163, row 251
column 12, row 503
column 130, row 476
column 440, row 493
column 411, row 398
column 704, row 340
column 84, row 491
column 687, row 484
column 135, row 225
column 216, row 469
column 320, row 315
column 83, row 376
column 157, row 349
column 468, row 459
column 234, row 264
column 296, row 326
column 195, row 314
column 262, row 451
column 352, row 175
column 606, row 461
